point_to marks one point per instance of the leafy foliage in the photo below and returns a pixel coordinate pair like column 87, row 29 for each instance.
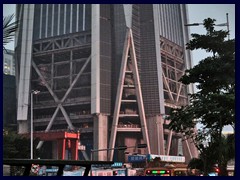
column 213, row 106
column 15, row 146
column 196, row 163
column 209, row 156
column 9, row 29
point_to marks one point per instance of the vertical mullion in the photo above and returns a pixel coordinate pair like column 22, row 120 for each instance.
column 84, row 6
column 71, row 14
column 64, row 22
column 59, row 12
column 46, row 25
column 77, row 17
column 53, row 9
column 40, row 28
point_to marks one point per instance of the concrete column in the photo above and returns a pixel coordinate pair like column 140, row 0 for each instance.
column 100, row 136
column 95, row 58
column 174, row 147
column 22, row 126
column 156, row 134
column 25, row 67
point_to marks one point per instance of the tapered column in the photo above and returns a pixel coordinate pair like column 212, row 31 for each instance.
column 100, row 136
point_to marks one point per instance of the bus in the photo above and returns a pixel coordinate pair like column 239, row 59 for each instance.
column 158, row 171
column 166, row 171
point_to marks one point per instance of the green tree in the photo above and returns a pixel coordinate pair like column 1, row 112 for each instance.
column 196, row 163
column 15, row 146
column 213, row 106
column 9, row 29
column 227, row 152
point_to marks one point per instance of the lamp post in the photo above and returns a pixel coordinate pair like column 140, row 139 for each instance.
column 222, row 24
column 117, row 148
column 31, row 132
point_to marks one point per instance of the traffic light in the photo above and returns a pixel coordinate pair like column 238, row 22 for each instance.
column 148, row 172
column 217, row 170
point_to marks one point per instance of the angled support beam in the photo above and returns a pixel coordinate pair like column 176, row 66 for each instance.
column 45, row 82
column 166, row 84
column 76, row 79
column 139, row 94
column 119, row 96
column 186, row 144
column 66, row 117
column 49, row 126
column 128, row 47
column 57, row 100
column 178, row 94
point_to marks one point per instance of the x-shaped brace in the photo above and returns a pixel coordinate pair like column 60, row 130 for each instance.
column 60, row 102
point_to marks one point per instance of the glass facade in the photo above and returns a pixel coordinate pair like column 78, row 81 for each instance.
column 59, row 19
column 8, row 63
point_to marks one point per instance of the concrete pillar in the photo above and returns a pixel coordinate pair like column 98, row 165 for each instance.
column 100, row 136
column 174, row 147
column 156, row 134
column 22, row 127
column 95, row 59
column 25, row 67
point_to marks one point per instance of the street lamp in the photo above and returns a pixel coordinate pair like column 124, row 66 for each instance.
column 222, row 24
column 96, row 150
column 32, row 92
column 122, row 148
column 194, row 24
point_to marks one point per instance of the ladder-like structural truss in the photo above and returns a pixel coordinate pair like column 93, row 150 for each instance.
column 128, row 68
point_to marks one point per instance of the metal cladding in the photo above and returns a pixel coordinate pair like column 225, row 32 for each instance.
column 114, row 90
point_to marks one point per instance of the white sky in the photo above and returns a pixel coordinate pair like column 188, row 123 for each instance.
column 197, row 13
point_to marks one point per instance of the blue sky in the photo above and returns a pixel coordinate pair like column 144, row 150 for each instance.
column 197, row 13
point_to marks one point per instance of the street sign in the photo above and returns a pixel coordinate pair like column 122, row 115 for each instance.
column 117, row 164
column 136, row 158
column 166, row 158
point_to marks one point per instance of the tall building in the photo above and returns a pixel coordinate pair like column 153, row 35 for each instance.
column 109, row 71
column 9, row 90
column 9, row 102
column 8, row 62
